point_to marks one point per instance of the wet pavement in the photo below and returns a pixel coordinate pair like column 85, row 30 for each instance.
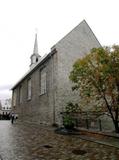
column 32, row 142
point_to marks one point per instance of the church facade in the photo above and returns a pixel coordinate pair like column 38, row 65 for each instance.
column 41, row 94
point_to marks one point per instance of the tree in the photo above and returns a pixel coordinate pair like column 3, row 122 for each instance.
column 96, row 76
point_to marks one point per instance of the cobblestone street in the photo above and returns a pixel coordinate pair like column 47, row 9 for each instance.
column 31, row 142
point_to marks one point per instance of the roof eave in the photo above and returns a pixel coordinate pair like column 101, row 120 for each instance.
column 39, row 64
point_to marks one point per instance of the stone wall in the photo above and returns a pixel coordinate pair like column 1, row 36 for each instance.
column 40, row 108
column 72, row 47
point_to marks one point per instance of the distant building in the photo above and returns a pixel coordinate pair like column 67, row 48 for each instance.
column 5, row 108
column 0, row 106
column 41, row 94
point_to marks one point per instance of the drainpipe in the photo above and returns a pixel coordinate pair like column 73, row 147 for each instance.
column 53, row 88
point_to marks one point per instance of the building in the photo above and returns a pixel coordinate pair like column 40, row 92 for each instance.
column 5, row 108
column 42, row 93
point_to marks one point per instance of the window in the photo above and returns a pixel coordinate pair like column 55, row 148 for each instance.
column 36, row 59
column 29, row 89
column 43, row 81
column 14, row 98
column 20, row 95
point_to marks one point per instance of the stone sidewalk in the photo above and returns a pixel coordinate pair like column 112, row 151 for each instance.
column 109, row 139
column 37, row 142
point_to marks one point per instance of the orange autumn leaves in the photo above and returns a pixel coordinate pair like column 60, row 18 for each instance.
column 96, row 75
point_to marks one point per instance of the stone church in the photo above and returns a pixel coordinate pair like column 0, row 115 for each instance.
column 41, row 94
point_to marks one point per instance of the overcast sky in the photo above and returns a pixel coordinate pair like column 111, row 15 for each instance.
column 53, row 19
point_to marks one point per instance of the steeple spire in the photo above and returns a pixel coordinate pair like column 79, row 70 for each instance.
column 35, row 50
column 35, row 57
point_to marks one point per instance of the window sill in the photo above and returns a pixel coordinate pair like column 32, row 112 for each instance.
column 28, row 99
column 41, row 94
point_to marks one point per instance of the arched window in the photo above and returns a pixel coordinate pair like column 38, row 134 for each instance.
column 36, row 59
column 14, row 97
column 29, row 89
column 43, row 81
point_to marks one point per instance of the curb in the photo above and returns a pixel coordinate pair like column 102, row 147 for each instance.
column 80, row 135
column 97, row 141
column 100, row 133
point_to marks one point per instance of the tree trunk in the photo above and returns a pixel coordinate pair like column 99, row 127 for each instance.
column 116, row 126
column 114, row 119
column 116, row 123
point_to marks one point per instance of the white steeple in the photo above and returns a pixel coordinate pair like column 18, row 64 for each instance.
column 35, row 51
column 35, row 57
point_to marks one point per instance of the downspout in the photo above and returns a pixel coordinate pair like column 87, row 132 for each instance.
column 53, row 87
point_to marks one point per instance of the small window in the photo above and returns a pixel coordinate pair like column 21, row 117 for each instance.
column 20, row 94
column 36, row 59
column 14, row 97
column 43, row 81
column 29, row 89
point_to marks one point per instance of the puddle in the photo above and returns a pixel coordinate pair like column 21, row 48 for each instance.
column 79, row 152
column 47, row 146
